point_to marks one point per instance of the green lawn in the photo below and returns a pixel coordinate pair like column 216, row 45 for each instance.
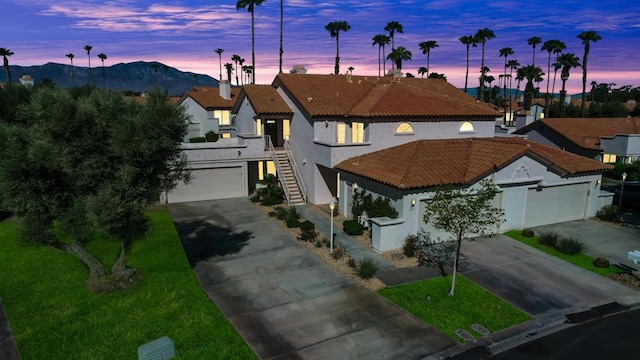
column 470, row 304
column 581, row 260
column 53, row 316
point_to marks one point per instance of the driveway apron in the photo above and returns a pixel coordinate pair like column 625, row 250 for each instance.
column 282, row 299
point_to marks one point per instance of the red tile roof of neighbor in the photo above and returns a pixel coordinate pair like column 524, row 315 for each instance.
column 586, row 132
column 265, row 100
column 209, row 97
column 427, row 163
column 322, row 96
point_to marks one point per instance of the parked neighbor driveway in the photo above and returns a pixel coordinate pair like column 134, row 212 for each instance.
column 283, row 300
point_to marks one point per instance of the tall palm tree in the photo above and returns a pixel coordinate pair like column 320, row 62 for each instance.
column 513, row 65
column 426, row 47
column 567, row 61
column 88, row 49
column 73, row 78
column 468, row 40
column 397, row 56
column 102, row 58
column 219, row 51
column 229, row 68
column 166, row 76
column 242, row 68
column 533, row 41
column 587, row 38
column 245, row 73
column 531, row 74
column 281, row 27
column 422, row 70
column 392, row 27
column 481, row 38
column 556, row 66
column 235, row 58
column 505, row 52
column 155, row 67
column 5, row 57
column 381, row 40
column 555, row 47
column 334, row 29
column 250, row 6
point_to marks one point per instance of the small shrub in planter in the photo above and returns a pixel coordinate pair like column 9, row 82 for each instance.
column 608, row 213
column 308, row 235
column 351, row 262
column 338, row 252
column 601, row 262
column 197, row 139
column 281, row 213
column 255, row 198
column 293, row 223
column 549, row 239
column 293, row 218
column 353, row 227
column 367, row 268
column 527, row 233
column 308, row 225
column 211, row 136
column 570, row 246
column 318, row 244
column 410, row 246
column 273, row 213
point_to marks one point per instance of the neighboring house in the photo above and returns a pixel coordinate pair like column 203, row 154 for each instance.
column 210, row 110
column 604, row 139
column 26, row 80
column 514, row 116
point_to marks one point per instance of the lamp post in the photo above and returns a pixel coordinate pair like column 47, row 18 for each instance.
column 624, row 176
column 332, row 205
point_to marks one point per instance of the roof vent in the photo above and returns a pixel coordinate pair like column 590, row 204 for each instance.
column 225, row 89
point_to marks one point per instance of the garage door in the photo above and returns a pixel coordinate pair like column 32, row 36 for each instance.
column 209, row 184
column 556, row 204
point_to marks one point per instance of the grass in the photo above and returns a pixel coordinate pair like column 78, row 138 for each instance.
column 53, row 316
column 582, row 260
column 470, row 304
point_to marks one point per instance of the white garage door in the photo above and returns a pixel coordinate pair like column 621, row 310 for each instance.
column 556, row 204
column 209, row 184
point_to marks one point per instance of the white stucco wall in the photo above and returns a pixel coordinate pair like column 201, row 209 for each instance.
column 622, row 145
column 245, row 119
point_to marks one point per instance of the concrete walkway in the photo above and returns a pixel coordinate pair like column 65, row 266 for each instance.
column 8, row 347
column 283, row 300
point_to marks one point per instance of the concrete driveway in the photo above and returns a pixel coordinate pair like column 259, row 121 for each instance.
column 537, row 283
column 283, row 300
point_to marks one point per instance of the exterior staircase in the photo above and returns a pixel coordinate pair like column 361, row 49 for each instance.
column 288, row 178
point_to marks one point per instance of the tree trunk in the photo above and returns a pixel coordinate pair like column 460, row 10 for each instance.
column 119, row 268
column 95, row 267
column 455, row 266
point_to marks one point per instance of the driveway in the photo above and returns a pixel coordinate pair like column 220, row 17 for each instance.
column 283, row 300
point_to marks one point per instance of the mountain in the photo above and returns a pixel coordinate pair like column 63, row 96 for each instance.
column 136, row 76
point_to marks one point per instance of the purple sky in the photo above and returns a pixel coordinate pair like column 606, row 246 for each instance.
column 185, row 33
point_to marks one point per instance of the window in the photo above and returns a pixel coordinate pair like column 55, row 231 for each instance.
column 286, row 126
column 226, row 135
column 223, row 116
column 609, row 158
column 259, row 127
column 466, row 127
column 341, row 133
column 269, row 166
column 357, row 132
column 404, row 128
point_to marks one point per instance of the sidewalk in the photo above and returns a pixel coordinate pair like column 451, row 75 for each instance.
column 8, row 347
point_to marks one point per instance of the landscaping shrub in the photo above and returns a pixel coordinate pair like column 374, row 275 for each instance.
column 601, row 262
column 338, row 252
column 570, row 246
column 281, row 213
column 549, row 239
column 197, row 139
column 351, row 262
column 273, row 213
column 367, row 268
column 527, row 233
column 292, row 217
column 271, row 194
column 353, row 227
column 379, row 207
column 308, row 232
column 318, row 244
column 608, row 213
column 410, row 246
column 308, row 225
column 211, row 136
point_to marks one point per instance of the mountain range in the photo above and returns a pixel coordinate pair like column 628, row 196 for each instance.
column 138, row 76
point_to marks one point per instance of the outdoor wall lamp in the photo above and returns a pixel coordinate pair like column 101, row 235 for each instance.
column 332, row 206
column 239, row 152
column 326, row 124
column 355, row 186
column 413, row 202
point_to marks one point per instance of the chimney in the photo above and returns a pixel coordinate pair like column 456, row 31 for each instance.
column 225, row 89
column 298, row 69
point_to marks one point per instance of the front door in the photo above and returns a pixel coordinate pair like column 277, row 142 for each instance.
column 271, row 129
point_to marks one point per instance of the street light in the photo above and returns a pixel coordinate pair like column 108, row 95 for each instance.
column 624, row 176
column 332, row 205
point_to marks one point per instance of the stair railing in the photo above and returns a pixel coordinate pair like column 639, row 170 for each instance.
column 296, row 171
column 283, row 183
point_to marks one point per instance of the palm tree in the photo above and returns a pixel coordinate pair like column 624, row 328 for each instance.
column 103, row 57
column 381, row 40
column 505, row 52
column 334, row 29
column 235, row 58
column 513, row 65
column 533, row 41
column 587, row 38
column 567, row 61
column 556, row 66
column 250, row 6
column 490, row 79
column 245, row 72
column 73, row 79
column 422, row 70
column 219, row 51
column 242, row 69
column 397, row 56
column 155, row 68
column 281, row 27
column 229, row 67
column 392, row 27
column 5, row 57
column 531, row 74
column 468, row 40
column 556, row 47
column 426, row 47
column 481, row 38
column 166, row 75
column 88, row 49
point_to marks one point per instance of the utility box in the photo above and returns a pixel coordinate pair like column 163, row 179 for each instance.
column 159, row 349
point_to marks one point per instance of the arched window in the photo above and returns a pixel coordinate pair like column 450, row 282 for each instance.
column 404, row 128
column 466, row 127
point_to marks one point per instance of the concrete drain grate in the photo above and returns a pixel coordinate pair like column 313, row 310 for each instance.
column 480, row 329
column 464, row 334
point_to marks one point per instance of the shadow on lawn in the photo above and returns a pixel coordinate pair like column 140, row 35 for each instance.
column 202, row 240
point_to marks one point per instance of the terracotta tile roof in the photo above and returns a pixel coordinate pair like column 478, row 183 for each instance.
column 380, row 97
column 427, row 163
column 265, row 100
column 209, row 97
column 586, row 132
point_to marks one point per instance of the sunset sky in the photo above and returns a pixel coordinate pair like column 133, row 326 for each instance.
column 185, row 33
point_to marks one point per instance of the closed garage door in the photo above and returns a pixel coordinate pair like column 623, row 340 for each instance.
column 556, row 204
column 209, row 184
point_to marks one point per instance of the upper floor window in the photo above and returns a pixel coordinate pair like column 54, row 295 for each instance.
column 223, row 116
column 259, row 127
column 357, row 132
column 609, row 158
column 341, row 133
column 404, row 128
column 466, row 127
column 286, row 129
